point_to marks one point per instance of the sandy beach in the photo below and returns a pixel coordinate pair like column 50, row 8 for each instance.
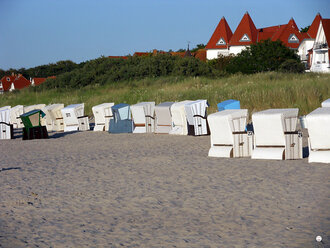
column 94, row 189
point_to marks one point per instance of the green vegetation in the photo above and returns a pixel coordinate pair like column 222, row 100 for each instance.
column 256, row 92
column 265, row 56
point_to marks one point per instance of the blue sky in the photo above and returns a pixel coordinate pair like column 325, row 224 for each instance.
column 36, row 32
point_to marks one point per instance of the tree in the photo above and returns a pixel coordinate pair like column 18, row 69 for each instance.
column 304, row 30
column 264, row 56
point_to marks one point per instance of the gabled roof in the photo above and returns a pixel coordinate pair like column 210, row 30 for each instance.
column 221, row 36
column 312, row 31
column 246, row 33
column 326, row 28
column 289, row 34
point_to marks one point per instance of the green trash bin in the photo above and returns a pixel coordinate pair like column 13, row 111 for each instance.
column 32, row 125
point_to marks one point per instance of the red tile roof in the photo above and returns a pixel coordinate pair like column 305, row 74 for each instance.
column 326, row 28
column 38, row 81
column 289, row 31
column 246, row 29
column 312, row 31
column 117, row 57
column 21, row 82
column 200, row 54
column 223, row 32
column 139, row 54
column 7, row 81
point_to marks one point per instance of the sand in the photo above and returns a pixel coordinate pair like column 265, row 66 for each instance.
column 94, row 189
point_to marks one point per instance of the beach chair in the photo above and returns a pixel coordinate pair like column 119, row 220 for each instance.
column 196, row 113
column 15, row 113
column 33, row 107
column 179, row 118
column 229, row 104
column 122, row 120
column 163, row 117
column 143, row 115
column 326, row 103
column 54, row 118
column 33, row 128
column 74, row 118
column 275, row 134
column 318, row 123
column 102, row 114
column 228, row 136
column 6, row 129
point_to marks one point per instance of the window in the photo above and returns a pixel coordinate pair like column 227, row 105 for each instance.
column 68, row 115
column 293, row 39
column 221, row 42
column 8, row 79
column 245, row 38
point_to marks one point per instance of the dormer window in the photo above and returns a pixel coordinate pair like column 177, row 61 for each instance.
column 8, row 79
column 293, row 39
column 245, row 38
column 221, row 42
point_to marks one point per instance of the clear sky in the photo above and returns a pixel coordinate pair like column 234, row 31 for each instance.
column 36, row 32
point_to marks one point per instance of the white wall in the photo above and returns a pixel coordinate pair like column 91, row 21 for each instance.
column 236, row 49
column 215, row 53
column 303, row 48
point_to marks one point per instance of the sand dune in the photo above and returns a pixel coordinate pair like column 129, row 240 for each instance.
column 94, row 189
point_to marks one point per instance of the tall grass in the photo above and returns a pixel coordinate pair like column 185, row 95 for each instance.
column 256, row 92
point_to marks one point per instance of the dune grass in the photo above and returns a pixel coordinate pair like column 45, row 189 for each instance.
column 256, row 92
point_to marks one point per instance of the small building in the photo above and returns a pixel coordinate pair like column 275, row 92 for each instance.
column 13, row 82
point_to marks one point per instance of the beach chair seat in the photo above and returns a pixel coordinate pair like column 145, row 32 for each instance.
column 179, row 118
column 122, row 120
column 228, row 136
column 33, row 128
column 275, row 134
column 326, row 103
column 318, row 122
column 6, row 128
column 74, row 118
column 163, row 118
column 143, row 115
column 229, row 104
column 54, row 118
column 102, row 115
column 196, row 112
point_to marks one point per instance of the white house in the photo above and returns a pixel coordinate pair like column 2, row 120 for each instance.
column 320, row 57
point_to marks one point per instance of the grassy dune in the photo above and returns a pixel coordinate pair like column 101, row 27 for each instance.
column 256, row 92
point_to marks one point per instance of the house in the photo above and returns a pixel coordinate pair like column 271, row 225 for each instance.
column 13, row 82
column 223, row 42
column 37, row 81
column 320, row 56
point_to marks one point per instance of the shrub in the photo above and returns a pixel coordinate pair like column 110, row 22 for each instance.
column 292, row 66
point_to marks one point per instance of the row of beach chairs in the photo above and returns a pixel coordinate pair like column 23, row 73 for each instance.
column 273, row 135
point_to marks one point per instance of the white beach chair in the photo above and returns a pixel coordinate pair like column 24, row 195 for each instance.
column 326, row 103
column 196, row 113
column 102, row 114
column 143, row 114
column 6, row 129
column 34, row 107
column 179, row 118
column 275, row 134
column 15, row 113
column 318, row 123
column 54, row 118
column 163, row 117
column 74, row 118
column 228, row 136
